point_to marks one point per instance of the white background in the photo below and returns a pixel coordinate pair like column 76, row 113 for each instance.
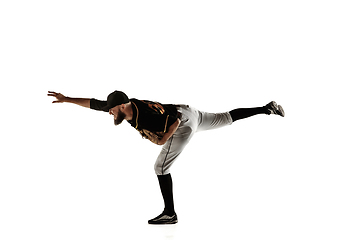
column 67, row 172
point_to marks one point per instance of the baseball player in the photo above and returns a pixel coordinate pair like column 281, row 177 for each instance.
column 169, row 125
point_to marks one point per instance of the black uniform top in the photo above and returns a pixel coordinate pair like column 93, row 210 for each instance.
column 152, row 116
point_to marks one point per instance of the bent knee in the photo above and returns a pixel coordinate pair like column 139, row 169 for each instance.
column 160, row 170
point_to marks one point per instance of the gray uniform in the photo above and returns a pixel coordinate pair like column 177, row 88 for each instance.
column 192, row 121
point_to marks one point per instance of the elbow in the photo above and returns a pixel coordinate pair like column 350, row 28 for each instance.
column 170, row 133
column 161, row 142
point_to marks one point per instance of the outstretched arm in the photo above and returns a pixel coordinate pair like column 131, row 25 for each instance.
column 84, row 102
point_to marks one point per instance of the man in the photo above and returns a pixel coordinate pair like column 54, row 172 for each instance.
column 171, row 126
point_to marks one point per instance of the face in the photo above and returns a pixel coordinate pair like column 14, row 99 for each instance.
column 119, row 116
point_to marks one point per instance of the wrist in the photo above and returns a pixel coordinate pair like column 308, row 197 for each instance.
column 69, row 100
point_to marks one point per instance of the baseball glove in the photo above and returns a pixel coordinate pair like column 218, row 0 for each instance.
column 154, row 137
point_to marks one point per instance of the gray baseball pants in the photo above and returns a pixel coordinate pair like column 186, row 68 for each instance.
column 192, row 121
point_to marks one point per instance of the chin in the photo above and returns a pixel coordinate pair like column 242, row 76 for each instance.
column 119, row 118
column 118, row 121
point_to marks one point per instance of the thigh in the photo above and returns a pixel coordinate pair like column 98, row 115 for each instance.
column 214, row 120
column 173, row 148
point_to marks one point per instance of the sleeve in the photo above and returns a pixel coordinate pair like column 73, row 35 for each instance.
column 97, row 104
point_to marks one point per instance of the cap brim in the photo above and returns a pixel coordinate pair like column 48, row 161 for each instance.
column 106, row 108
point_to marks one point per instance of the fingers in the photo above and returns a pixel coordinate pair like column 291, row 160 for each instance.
column 52, row 94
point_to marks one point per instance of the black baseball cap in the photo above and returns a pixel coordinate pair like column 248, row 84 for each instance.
column 115, row 98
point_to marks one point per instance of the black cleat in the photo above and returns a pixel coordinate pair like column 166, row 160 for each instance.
column 273, row 108
column 164, row 218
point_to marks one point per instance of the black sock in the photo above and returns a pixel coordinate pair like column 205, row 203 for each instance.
column 241, row 113
column 165, row 182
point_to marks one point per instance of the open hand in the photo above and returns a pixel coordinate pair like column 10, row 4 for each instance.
column 59, row 97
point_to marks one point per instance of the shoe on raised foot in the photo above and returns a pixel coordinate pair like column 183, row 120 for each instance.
column 273, row 108
column 164, row 218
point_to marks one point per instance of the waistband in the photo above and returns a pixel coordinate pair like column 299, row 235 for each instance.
column 178, row 106
column 181, row 106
